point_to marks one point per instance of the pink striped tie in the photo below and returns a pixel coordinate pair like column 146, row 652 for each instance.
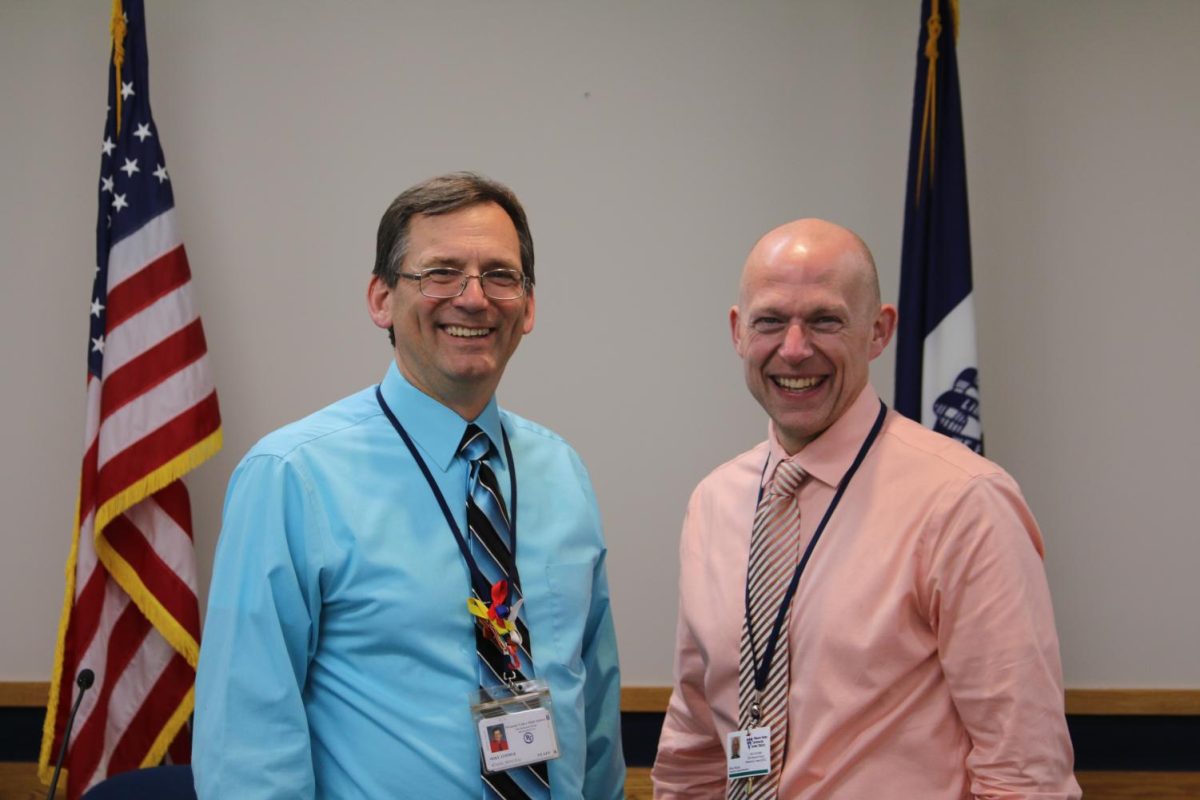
column 774, row 550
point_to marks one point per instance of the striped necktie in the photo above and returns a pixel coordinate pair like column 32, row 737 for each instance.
column 491, row 545
column 774, row 550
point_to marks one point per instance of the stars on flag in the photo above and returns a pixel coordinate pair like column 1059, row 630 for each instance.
column 108, row 146
column 119, row 202
column 161, row 173
column 143, row 130
column 106, row 183
column 98, row 344
column 130, row 167
column 97, row 306
column 126, row 89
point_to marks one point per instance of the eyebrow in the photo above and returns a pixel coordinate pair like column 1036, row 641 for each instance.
column 460, row 264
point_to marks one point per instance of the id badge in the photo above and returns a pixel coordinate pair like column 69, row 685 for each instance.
column 514, row 725
column 748, row 753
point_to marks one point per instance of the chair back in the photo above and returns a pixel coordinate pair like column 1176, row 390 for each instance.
column 169, row 782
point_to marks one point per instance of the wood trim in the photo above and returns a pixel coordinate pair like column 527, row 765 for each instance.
column 19, row 781
column 24, row 694
column 645, row 698
column 1155, row 702
column 1095, row 785
column 1166, row 702
column 653, row 699
column 1138, row 785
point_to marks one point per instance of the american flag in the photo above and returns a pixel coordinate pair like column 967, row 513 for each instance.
column 130, row 612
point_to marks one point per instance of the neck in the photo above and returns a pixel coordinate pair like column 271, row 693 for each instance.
column 468, row 402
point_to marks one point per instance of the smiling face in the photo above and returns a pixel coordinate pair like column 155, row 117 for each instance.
column 455, row 349
column 808, row 323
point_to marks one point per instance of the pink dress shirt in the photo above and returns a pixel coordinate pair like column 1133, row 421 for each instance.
column 924, row 659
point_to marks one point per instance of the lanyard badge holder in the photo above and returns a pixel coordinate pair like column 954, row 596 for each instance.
column 748, row 751
column 515, row 724
column 514, row 721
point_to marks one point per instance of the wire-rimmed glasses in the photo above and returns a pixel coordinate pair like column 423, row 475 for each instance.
column 445, row 282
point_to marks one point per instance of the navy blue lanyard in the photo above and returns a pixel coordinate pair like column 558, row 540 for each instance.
column 762, row 670
column 482, row 586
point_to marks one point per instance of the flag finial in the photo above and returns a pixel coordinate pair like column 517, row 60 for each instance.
column 118, row 52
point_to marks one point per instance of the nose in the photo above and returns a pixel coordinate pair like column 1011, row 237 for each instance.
column 795, row 345
column 472, row 296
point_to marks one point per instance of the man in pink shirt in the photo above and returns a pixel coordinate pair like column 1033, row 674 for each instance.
column 919, row 651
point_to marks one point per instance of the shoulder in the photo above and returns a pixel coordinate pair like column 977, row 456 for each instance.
column 323, row 429
column 536, row 444
column 542, row 452
column 933, row 458
column 964, row 497
column 532, row 434
column 740, row 472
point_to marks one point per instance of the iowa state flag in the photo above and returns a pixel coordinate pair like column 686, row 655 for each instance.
column 937, row 376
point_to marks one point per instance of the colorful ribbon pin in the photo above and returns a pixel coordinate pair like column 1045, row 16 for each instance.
column 499, row 621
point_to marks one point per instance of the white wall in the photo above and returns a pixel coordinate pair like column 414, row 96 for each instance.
column 651, row 143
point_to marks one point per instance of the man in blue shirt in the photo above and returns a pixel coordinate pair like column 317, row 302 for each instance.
column 338, row 653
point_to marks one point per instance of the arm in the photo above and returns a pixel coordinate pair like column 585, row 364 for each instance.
column 605, row 776
column 251, row 732
column 989, row 605
column 691, row 757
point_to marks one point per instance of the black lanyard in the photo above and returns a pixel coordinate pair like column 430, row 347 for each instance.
column 762, row 670
column 478, row 581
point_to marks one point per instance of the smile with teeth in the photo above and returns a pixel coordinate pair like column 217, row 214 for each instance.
column 463, row 331
column 796, row 384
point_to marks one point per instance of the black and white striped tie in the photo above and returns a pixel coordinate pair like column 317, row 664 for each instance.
column 490, row 541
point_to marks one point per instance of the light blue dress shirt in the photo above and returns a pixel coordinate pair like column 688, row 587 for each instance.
column 338, row 653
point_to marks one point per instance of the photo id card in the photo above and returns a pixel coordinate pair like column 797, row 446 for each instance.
column 515, row 725
column 513, row 740
column 748, row 753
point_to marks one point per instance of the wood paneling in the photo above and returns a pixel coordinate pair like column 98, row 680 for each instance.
column 1154, row 702
column 637, row 784
column 1096, row 785
column 19, row 782
column 27, row 694
column 1140, row 785
column 645, row 698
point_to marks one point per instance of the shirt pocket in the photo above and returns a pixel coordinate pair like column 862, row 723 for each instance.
column 570, row 589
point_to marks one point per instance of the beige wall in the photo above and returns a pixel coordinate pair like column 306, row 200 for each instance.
column 651, row 143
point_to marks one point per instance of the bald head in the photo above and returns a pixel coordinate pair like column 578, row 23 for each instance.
column 807, row 324
column 805, row 239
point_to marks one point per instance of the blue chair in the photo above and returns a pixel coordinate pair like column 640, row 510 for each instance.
column 170, row 782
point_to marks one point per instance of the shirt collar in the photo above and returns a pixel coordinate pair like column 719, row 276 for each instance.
column 436, row 429
column 827, row 457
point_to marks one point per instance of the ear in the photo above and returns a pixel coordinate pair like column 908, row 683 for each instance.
column 882, row 330
column 735, row 330
column 379, row 302
column 530, row 307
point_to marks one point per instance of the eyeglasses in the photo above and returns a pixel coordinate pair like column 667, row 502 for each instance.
column 443, row 282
